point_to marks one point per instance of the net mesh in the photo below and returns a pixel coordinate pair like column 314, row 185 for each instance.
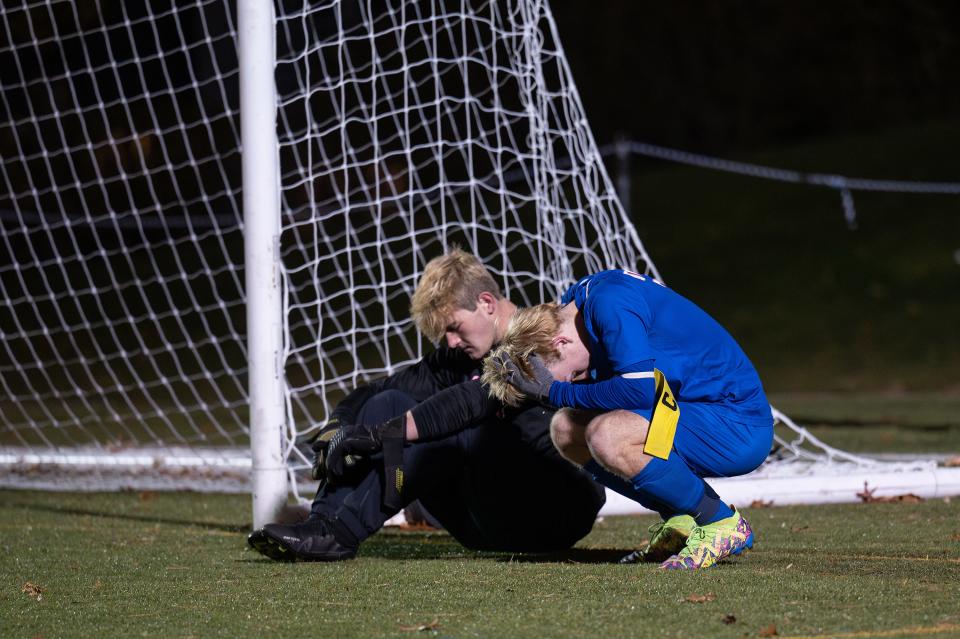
column 409, row 128
column 403, row 128
column 121, row 266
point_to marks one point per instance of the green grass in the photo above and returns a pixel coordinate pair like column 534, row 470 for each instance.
column 175, row 565
column 817, row 306
column 878, row 423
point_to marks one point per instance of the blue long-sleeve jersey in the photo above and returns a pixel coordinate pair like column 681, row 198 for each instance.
column 634, row 324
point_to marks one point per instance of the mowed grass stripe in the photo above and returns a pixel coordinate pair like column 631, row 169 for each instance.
column 896, row 632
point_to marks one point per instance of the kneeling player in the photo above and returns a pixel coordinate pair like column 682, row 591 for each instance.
column 656, row 395
column 490, row 476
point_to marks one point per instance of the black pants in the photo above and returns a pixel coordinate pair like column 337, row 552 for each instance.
column 489, row 489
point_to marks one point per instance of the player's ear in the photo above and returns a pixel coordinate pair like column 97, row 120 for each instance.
column 560, row 341
column 487, row 301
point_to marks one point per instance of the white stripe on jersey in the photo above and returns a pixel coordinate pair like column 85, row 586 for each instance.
column 643, row 375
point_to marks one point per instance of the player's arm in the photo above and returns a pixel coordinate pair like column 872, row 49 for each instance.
column 440, row 369
column 450, row 410
column 632, row 390
column 619, row 318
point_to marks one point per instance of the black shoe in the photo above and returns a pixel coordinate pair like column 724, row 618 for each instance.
column 307, row 541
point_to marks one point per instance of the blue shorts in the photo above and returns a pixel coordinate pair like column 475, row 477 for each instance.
column 717, row 441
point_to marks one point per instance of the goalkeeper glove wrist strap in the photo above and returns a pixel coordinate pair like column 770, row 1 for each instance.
column 392, row 437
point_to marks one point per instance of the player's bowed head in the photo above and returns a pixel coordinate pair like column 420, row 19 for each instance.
column 519, row 368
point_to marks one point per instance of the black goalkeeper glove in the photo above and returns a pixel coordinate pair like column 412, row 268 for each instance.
column 320, row 444
column 355, row 439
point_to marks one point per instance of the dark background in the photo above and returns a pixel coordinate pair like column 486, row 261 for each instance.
column 857, row 88
column 717, row 75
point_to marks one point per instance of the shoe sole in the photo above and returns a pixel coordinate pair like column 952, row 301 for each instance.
column 269, row 547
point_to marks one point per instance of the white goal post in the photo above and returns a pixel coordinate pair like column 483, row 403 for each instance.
column 214, row 214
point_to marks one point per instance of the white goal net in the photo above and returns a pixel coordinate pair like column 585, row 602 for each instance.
column 402, row 128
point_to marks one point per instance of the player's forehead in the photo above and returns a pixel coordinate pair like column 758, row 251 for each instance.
column 457, row 316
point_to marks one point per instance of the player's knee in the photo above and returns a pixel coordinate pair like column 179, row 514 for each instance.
column 567, row 434
column 611, row 436
column 567, row 428
column 561, row 429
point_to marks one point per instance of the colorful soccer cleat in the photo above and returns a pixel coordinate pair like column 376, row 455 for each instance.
column 666, row 538
column 712, row 543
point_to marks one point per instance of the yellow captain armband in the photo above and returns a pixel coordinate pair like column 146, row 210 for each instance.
column 663, row 422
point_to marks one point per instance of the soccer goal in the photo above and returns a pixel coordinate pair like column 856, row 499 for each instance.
column 214, row 215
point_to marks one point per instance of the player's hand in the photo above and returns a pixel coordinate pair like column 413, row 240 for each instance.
column 320, row 444
column 355, row 440
column 535, row 387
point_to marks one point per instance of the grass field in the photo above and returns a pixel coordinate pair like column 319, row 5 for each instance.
column 878, row 422
column 175, row 565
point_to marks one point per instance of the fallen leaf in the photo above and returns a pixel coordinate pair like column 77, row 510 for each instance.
column 728, row 619
column 797, row 529
column 769, row 631
column 33, row 590
column 700, row 598
column 909, row 498
column 952, row 462
column 433, row 625
column 759, row 503
column 868, row 497
column 955, row 537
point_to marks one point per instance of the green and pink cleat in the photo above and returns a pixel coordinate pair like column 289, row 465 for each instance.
column 711, row 543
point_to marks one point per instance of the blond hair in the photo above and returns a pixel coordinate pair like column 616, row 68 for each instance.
column 452, row 281
column 531, row 330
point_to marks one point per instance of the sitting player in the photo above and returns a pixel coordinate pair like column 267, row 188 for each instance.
column 668, row 398
column 490, row 476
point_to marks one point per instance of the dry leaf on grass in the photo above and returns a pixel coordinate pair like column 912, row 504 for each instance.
column 867, row 496
column 769, row 631
column 955, row 537
column 433, row 625
column 759, row 503
column 728, row 619
column 953, row 462
column 700, row 598
column 33, row 590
